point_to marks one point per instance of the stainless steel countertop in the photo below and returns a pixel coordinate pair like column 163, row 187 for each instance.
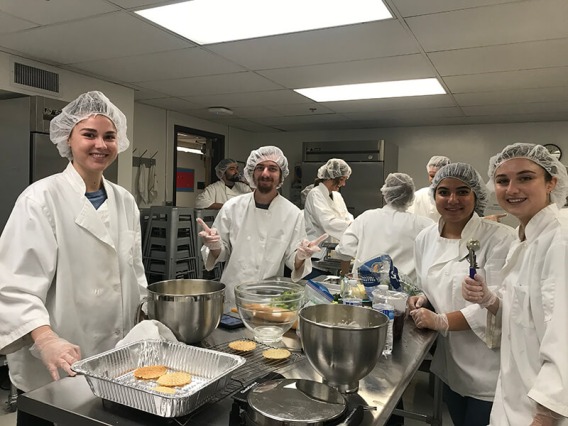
column 70, row 400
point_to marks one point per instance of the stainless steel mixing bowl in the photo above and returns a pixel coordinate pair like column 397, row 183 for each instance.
column 192, row 309
column 342, row 342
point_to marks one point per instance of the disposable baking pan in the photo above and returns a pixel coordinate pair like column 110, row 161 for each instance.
column 110, row 375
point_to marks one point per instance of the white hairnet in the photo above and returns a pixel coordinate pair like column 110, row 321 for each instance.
column 468, row 175
column 438, row 161
column 398, row 190
column 222, row 166
column 334, row 168
column 537, row 154
column 86, row 105
column 304, row 193
column 266, row 153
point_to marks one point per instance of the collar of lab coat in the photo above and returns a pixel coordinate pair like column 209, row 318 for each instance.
column 468, row 232
column 331, row 201
column 88, row 218
column 540, row 221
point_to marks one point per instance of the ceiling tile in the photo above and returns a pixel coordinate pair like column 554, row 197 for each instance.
column 74, row 42
column 174, row 104
column 233, row 100
column 140, row 93
column 9, row 24
column 509, row 57
column 49, row 12
column 409, row 8
column 365, row 71
column 487, row 26
column 414, row 102
column 363, row 41
column 311, row 108
column 415, row 113
column 213, row 84
column 135, row 4
column 518, row 108
column 545, row 94
column 172, row 64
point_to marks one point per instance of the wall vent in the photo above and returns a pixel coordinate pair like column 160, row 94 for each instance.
column 36, row 77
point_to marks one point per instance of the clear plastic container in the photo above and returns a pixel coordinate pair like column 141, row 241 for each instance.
column 352, row 295
column 382, row 304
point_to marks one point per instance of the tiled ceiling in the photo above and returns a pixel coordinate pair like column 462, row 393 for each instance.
column 500, row 61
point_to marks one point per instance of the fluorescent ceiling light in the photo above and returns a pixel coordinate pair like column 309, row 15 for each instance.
column 190, row 150
column 384, row 89
column 215, row 21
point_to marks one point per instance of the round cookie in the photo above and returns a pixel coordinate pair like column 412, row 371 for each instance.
column 150, row 372
column 243, row 345
column 276, row 354
column 179, row 378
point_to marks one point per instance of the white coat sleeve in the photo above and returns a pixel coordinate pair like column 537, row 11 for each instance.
column 206, row 198
column 138, row 263
column 321, row 213
column 347, row 247
column 298, row 235
column 28, row 260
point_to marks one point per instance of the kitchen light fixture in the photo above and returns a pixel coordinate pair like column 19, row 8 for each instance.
column 384, row 89
column 190, row 150
column 216, row 21
column 218, row 110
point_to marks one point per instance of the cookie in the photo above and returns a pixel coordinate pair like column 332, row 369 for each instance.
column 178, row 378
column 276, row 354
column 164, row 389
column 150, row 372
column 243, row 345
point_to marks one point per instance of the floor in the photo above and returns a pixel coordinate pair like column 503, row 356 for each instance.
column 416, row 398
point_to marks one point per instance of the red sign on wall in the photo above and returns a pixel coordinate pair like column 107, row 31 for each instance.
column 185, row 180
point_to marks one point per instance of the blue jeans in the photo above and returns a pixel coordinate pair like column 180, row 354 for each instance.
column 465, row 410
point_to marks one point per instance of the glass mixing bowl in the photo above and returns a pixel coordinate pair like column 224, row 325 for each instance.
column 269, row 308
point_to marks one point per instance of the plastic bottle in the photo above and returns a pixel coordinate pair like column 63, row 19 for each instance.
column 381, row 303
column 351, row 297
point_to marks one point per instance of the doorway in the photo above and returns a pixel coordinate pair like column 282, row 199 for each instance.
column 196, row 152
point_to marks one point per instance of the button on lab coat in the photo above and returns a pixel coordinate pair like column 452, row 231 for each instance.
column 324, row 215
column 65, row 264
column 534, row 345
column 462, row 359
column 257, row 242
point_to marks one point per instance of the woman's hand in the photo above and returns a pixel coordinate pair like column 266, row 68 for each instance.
column 424, row 318
column 415, row 302
column 476, row 291
column 55, row 353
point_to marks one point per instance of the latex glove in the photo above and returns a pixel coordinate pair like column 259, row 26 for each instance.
column 545, row 417
column 306, row 249
column 415, row 302
column 55, row 353
column 209, row 236
column 476, row 291
column 425, row 318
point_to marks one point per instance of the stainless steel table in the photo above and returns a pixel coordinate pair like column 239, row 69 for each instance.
column 71, row 402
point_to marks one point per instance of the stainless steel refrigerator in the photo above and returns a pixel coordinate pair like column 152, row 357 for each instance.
column 370, row 161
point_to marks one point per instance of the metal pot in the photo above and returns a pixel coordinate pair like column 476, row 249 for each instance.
column 192, row 309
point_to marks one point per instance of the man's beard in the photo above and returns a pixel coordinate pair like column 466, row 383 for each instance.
column 265, row 186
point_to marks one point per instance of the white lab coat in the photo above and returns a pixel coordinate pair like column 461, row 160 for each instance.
column 65, row 264
column 325, row 215
column 462, row 359
column 380, row 231
column 218, row 192
column 534, row 344
column 257, row 242
column 424, row 204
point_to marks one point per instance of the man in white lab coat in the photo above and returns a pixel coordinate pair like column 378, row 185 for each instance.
column 71, row 273
column 424, row 204
column 258, row 233
column 230, row 184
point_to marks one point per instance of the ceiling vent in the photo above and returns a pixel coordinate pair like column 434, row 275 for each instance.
column 36, row 77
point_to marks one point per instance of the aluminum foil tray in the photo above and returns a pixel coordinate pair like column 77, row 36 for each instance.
column 110, row 375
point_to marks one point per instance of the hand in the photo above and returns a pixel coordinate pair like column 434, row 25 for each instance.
column 306, row 249
column 545, row 417
column 415, row 302
column 425, row 318
column 209, row 236
column 55, row 353
column 476, row 291
column 495, row 217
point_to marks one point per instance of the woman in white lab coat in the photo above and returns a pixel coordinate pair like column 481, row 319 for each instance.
column 531, row 185
column 71, row 273
column 391, row 229
column 463, row 360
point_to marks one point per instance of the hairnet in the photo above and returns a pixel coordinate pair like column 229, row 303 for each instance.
column 398, row 190
column 222, row 167
column 539, row 155
column 266, row 153
column 468, row 175
column 438, row 161
column 334, row 168
column 86, row 105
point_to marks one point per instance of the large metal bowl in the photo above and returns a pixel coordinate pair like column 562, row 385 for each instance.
column 192, row 309
column 342, row 342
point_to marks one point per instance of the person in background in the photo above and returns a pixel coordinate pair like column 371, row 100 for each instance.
column 463, row 359
column 531, row 185
column 229, row 185
column 391, row 229
column 71, row 272
column 325, row 211
column 258, row 233
column 423, row 202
